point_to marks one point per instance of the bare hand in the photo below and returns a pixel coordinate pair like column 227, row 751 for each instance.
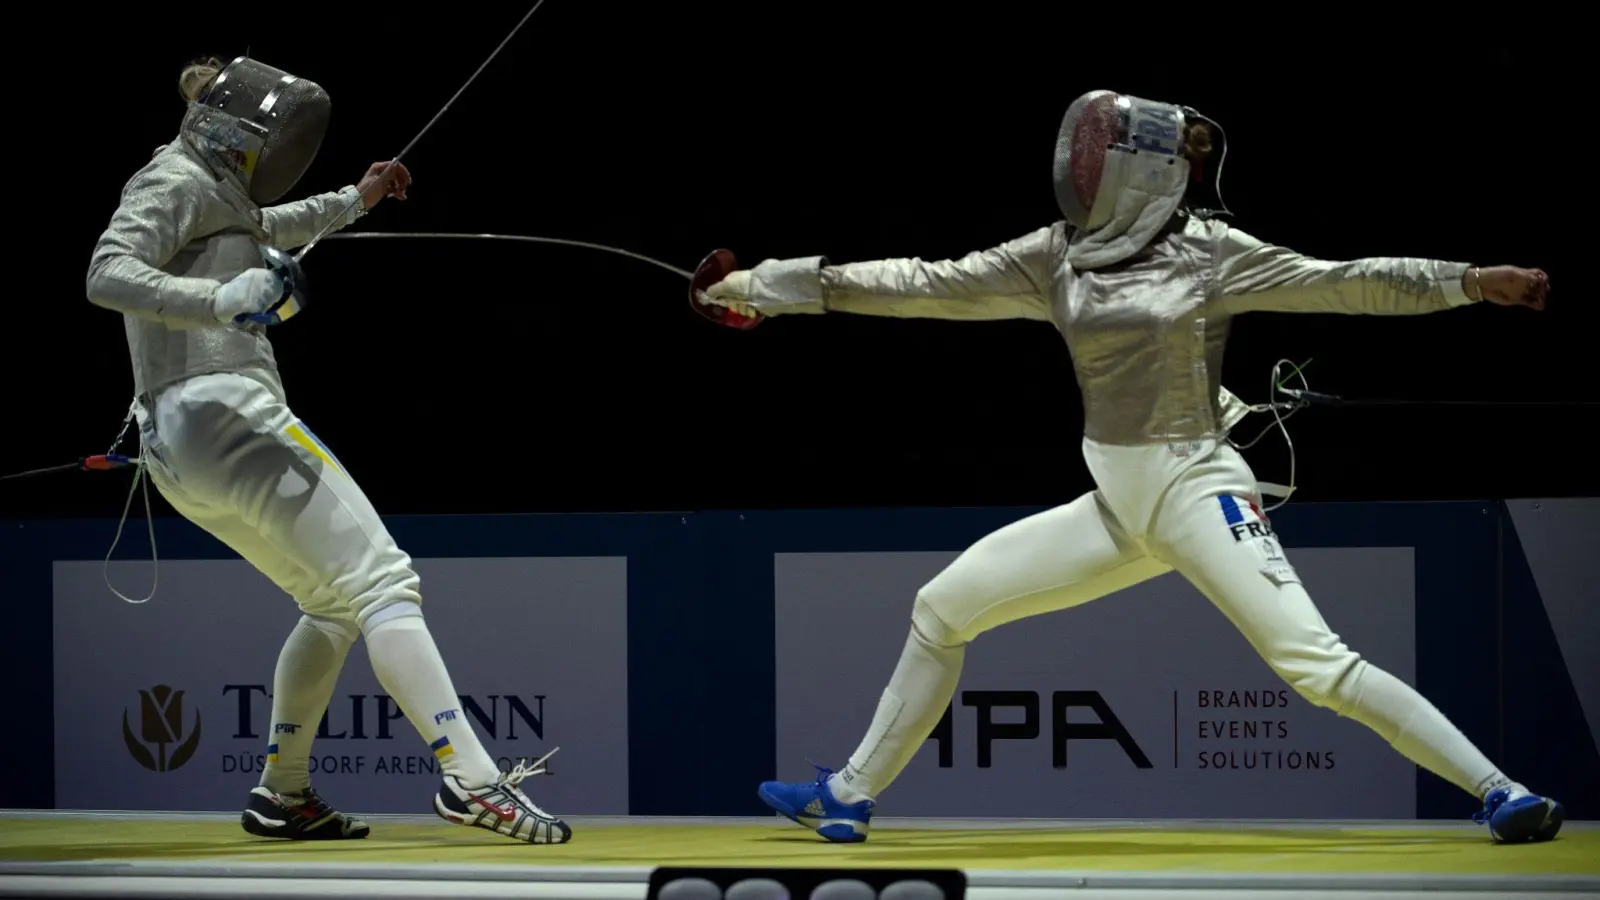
column 393, row 183
column 1508, row 286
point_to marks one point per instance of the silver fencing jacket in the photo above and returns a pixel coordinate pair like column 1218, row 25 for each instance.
column 1147, row 334
column 178, row 233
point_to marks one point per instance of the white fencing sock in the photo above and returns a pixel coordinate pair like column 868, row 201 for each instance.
column 302, row 685
column 918, row 694
column 1421, row 732
column 409, row 667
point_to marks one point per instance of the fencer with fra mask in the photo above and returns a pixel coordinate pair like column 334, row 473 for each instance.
column 1142, row 281
column 181, row 261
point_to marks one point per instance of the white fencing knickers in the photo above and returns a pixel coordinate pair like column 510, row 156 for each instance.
column 229, row 455
column 1193, row 508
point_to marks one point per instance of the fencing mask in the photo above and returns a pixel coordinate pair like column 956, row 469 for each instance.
column 260, row 125
column 1121, row 172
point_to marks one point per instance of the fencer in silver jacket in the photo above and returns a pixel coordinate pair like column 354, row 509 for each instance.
column 1143, row 284
column 1147, row 335
column 182, row 229
column 181, row 262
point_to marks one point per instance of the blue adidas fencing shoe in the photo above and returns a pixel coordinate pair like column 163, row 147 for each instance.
column 1516, row 816
column 811, row 804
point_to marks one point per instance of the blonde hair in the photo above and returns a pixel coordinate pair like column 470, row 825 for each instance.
column 197, row 76
column 1197, row 142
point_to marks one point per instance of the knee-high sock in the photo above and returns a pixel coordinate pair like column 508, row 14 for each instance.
column 308, row 669
column 909, row 710
column 409, row 667
column 1420, row 731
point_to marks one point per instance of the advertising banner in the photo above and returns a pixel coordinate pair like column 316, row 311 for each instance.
column 166, row 705
column 1146, row 703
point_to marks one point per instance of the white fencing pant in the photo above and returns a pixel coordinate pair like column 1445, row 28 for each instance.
column 1156, row 510
column 229, row 455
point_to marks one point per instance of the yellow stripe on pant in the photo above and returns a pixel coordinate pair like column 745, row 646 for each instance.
column 306, row 439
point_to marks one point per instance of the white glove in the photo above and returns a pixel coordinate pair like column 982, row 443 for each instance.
column 732, row 293
column 248, row 293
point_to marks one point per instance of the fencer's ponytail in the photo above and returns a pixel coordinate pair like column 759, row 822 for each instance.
column 197, row 76
column 1197, row 142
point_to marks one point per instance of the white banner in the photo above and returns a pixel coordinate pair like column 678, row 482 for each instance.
column 166, row 705
column 1146, row 703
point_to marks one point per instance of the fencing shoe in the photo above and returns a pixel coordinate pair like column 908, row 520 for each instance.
column 811, row 804
column 298, row 817
column 1516, row 816
column 502, row 807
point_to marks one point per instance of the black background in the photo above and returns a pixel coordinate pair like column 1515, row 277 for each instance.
column 492, row 377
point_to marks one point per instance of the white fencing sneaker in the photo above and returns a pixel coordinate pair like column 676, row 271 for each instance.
column 502, row 807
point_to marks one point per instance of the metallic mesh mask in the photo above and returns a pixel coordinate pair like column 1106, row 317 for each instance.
column 261, row 125
column 1113, row 144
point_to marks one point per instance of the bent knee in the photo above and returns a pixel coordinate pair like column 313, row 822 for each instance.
column 366, row 594
column 341, row 629
column 1327, row 679
column 377, row 614
column 932, row 623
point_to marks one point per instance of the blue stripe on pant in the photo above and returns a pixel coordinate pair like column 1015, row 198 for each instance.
column 1231, row 510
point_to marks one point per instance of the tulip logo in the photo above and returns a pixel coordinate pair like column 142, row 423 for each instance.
column 161, row 725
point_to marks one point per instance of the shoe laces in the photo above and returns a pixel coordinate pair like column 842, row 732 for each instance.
column 823, row 772
column 1491, row 802
column 523, row 770
column 309, row 804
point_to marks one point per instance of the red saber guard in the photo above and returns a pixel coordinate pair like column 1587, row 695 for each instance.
column 715, row 267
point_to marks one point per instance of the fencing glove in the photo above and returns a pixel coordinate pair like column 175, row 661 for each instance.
column 732, row 293
column 249, row 293
column 776, row 287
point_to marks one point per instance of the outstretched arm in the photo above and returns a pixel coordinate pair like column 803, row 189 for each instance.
column 1011, row 281
column 159, row 215
column 292, row 225
column 1252, row 276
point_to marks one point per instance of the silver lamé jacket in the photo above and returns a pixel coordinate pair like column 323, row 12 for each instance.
column 178, row 233
column 1146, row 335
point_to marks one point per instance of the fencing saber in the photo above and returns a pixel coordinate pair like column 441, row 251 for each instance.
column 717, row 265
column 720, row 263
column 1304, row 398
column 1314, row 398
column 526, row 238
column 100, row 462
column 287, row 265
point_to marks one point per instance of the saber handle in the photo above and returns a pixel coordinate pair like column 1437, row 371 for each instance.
column 717, row 265
column 293, row 300
column 1318, row 399
column 1314, row 397
column 101, row 462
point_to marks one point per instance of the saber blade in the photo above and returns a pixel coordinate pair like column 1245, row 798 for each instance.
column 431, row 122
column 530, row 239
